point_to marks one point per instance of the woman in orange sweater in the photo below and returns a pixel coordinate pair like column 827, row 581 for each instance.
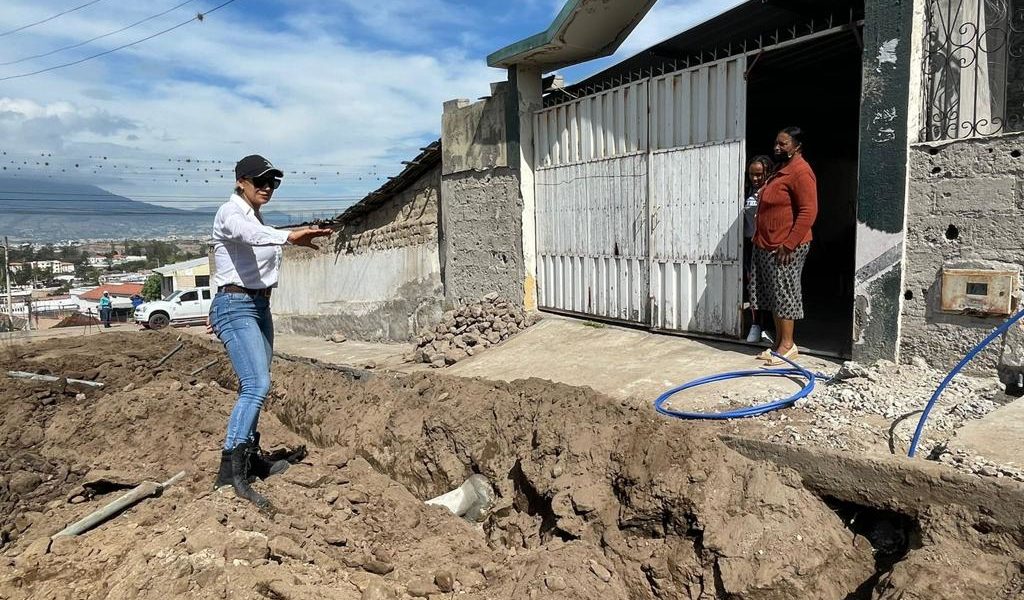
column 782, row 239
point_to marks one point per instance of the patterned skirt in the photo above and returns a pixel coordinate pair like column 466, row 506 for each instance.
column 776, row 288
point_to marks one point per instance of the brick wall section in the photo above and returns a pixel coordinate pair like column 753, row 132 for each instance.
column 407, row 219
column 965, row 208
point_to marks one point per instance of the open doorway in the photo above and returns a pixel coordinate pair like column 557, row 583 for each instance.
column 816, row 85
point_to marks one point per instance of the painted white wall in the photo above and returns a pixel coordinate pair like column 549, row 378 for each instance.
column 352, row 283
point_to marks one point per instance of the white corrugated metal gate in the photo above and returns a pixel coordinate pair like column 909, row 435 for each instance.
column 591, row 191
column 639, row 196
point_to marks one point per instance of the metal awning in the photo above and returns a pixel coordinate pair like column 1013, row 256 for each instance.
column 582, row 31
column 748, row 27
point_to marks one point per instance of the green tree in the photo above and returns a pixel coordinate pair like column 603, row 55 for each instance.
column 46, row 253
column 23, row 275
column 69, row 254
column 151, row 289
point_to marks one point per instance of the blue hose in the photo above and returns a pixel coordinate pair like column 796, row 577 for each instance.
column 949, row 377
column 794, row 370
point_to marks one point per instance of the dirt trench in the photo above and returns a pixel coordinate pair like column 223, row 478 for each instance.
column 595, row 499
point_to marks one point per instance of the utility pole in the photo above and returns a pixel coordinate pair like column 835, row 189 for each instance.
column 7, row 278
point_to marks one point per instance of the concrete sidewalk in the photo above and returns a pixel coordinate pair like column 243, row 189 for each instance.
column 627, row 364
column 998, row 436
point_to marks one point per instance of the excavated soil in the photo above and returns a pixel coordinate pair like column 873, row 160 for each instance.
column 596, row 499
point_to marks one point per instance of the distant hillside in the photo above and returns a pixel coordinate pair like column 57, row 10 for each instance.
column 45, row 210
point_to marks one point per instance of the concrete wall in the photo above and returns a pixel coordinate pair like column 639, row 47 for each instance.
column 482, row 209
column 965, row 210
column 889, row 32
column 483, row 236
column 378, row 279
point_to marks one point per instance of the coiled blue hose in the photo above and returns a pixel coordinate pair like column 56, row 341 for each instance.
column 794, row 370
column 949, row 377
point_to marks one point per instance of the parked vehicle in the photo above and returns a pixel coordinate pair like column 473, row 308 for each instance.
column 182, row 307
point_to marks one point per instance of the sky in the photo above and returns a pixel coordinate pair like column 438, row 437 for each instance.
column 335, row 92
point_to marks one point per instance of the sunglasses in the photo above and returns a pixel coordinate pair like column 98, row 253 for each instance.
column 263, row 182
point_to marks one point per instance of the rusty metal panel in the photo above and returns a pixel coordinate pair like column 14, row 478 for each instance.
column 979, row 291
column 591, row 238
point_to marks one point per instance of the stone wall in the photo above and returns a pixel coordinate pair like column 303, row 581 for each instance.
column 410, row 218
column 377, row 279
column 965, row 209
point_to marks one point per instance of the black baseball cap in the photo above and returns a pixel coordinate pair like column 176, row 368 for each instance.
column 255, row 165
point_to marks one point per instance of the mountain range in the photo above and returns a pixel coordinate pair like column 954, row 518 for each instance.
column 43, row 210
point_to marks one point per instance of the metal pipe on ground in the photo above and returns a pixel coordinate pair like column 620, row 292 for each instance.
column 146, row 489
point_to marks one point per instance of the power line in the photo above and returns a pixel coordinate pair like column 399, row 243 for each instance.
column 99, row 37
column 47, row 19
column 198, row 17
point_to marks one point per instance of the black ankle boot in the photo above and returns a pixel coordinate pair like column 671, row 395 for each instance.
column 263, row 465
column 241, row 457
column 224, row 472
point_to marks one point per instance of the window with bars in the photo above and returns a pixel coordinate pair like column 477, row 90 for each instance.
column 974, row 67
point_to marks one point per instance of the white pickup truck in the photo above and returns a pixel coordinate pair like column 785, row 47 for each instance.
column 182, row 307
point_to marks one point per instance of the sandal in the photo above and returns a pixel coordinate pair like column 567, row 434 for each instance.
column 791, row 354
column 766, row 355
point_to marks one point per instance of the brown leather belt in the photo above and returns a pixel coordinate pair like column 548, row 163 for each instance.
column 237, row 289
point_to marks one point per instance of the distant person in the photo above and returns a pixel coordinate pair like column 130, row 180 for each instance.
column 786, row 211
column 758, row 171
column 247, row 257
column 105, row 309
column 136, row 301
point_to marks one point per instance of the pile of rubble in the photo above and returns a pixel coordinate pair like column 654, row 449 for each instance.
column 470, row 329
column 881, row 403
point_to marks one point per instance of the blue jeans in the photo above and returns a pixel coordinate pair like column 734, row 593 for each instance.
column 244, row 325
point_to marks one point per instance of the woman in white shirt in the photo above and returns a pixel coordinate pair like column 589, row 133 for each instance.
column 247, row 259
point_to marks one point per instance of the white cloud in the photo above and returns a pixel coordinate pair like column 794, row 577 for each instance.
column 300, row 93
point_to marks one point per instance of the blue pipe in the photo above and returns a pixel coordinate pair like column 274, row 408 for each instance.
column 794, row 370
column 949, row 377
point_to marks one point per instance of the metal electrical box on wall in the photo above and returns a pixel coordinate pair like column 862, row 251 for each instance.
column 978, row 291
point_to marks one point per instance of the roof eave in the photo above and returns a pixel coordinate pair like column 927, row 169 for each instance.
column 550, row 51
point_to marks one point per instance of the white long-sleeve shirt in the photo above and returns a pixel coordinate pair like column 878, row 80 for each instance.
column 245, row 251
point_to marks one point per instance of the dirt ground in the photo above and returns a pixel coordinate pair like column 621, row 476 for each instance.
column 596, row 498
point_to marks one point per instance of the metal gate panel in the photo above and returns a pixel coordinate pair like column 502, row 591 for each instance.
column 698, row 154
column 638, row 200
column 591, row 238
column 591, row 205
column 700, row 105
column 696, row 243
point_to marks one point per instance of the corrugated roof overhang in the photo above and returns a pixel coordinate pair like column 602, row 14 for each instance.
column 743, row 28
column 582, row 31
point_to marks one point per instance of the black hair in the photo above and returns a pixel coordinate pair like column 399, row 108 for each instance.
column 765, row 161
column 796, row 133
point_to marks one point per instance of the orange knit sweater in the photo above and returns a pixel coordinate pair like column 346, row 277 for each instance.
column 788, row 207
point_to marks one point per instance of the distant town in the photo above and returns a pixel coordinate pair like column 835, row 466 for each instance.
column 45, row 284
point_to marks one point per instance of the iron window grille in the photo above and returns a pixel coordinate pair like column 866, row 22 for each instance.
column 974, row 68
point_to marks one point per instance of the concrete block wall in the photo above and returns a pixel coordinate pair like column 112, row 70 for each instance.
column 377, row 279
column 483, row 236
column 482, row 208
column 965, row 209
